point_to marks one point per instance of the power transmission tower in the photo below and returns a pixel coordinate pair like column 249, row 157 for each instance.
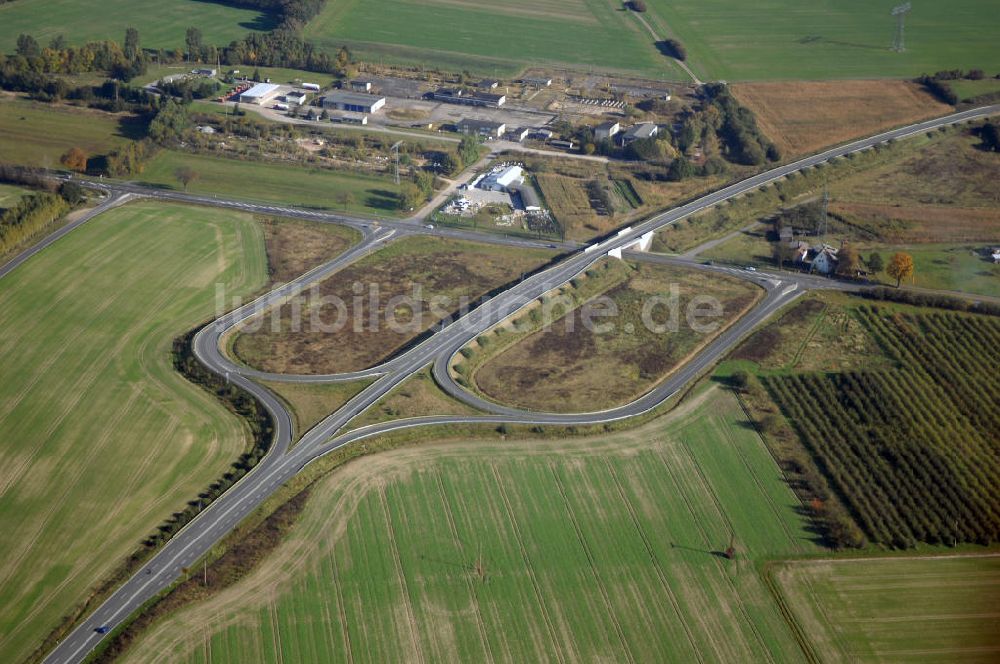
column 395, row 152
column 900, row 12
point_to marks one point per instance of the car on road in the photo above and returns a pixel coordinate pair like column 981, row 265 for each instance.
column 552, row 246
column 103, row 629
column 431, row 226
column 750, row 268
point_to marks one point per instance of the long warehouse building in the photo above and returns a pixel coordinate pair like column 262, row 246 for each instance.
column 354, row 102
column 260, row 93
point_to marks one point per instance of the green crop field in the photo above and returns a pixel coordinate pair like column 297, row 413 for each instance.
column 787, row 39
column 102, row 439
column 275, row 183
column 926, row 609
column 490, row 37
column 37, row 134
column 725, row 40
column 602, row 549
column 161, row 23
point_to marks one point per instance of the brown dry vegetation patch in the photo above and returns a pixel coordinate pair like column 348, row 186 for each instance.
column 329, row 339
column 952, row 171
column 572, row 366
column 804, row 116
column 294, row 245
column 908, row 224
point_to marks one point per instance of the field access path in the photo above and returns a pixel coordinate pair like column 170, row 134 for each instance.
column 280, row 464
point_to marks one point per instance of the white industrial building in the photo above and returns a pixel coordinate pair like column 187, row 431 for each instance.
column 260, row 93
column 503, row 179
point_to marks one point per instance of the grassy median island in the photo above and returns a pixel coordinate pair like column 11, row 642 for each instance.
column 600, row 548
column 295, row 246
column 417, row 396
column 421, row 268
column 274, row 182
column 573, row 366
column 103, row 439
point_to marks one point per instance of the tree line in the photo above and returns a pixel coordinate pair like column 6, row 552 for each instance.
column 36, row 210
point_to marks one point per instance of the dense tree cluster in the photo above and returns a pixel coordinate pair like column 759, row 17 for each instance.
column 170, row 122
column 59, row 58
column 29, row 215
column 672, row 48
column 292, row 13
column 939, row 88
column 281, row 48
column 191, row 88
column 989, row 134
column 743, row 142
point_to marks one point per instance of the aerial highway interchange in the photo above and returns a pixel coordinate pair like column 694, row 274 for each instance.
column 284, row 461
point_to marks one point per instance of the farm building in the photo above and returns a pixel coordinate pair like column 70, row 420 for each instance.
column 488, row 84
column 260, row 94
column 518, row 134
column 203, row 72
column 486, row 128
column 606, row 130
column 639, row 132
column 351, row 118
column 503, row 180
column 361, row 85
column 538, row 82
column 527, row 196
column 467, row 98
column 354, row 102
column 295, row 98
column 542, row 134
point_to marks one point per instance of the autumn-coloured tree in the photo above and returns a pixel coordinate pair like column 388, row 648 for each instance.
column 848, row 261
column 186, row 175
column 900, row 267
column 75, row 159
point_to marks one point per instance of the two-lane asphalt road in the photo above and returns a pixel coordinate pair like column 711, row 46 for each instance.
column 281, row 464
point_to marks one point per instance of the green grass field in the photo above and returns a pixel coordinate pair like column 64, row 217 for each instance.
column 786, row 39
column 897, row 609
column 37, row 134
column 492, row 38
column 725, row 40
column 971, row 89
column 590, row 550
column 102, row 439
column 275, row 183
column 161, row 23
column 10, row 195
